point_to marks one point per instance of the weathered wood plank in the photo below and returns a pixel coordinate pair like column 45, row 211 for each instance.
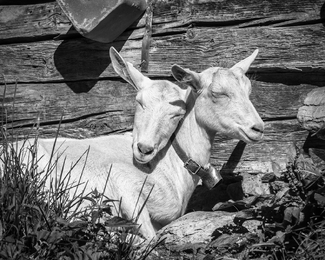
column 107, row 107
column 42, row 21
column 32, row 21
column 258, row 157
column 47, row 20
column 23, row 2
column 238, row 9
column 244, row 13
column 50, row 101
column 281, row 49
column 296, row 50
column 274, row 101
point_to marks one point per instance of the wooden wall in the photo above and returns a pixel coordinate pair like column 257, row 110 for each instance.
column 60, row 73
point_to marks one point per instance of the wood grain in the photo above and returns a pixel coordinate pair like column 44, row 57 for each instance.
column 51, row 100
column 109, row 108
column 36, row 19
column 297, row 50
column 60, row 74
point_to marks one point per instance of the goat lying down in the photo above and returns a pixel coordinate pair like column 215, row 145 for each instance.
column 216, row 102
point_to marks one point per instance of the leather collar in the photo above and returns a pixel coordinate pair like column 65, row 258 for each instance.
column 210, row 177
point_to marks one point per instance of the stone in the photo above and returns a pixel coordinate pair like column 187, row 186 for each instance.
column 252, row 185
column 195, row 234
column 311, row 115
column 194, row 230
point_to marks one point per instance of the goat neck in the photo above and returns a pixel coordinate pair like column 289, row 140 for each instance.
column 192, row 138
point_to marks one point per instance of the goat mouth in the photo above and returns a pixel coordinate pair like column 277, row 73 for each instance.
column 140, row 160
column 253, row 137
column 144, row 158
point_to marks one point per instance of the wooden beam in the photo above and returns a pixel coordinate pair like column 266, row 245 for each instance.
column 258, row 157
column 24, row 2
column 107, row 107
column 272, row 100
column 46, row 21
column 296, row 50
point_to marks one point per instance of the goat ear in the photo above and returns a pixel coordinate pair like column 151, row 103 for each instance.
column 246, row 63
column 186, row 76
column 126, row 70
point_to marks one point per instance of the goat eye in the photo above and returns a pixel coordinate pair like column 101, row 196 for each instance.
column 176, row 116
column 219, row 94
column 220, row 98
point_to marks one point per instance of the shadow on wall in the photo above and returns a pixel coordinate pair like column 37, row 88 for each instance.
column 81, row 61
column 204, row 199
column 234, row 159
column 312, row 141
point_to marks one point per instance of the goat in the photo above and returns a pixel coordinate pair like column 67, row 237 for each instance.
column 161, row 108
column 166, row 107
column 218, row 103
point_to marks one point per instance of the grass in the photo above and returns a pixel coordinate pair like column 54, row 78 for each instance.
column 41, row 222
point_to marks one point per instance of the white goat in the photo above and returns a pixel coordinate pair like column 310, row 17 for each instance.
column 219, row 103
column 165, row 107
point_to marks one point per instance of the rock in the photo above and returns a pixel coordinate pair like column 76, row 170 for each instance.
column 200, row 235
column 252, row 185
column 194, row 230
column 311, row 115
column 253, row 225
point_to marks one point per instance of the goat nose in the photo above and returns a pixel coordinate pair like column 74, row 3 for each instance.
column 258, row 127
column 145, row 149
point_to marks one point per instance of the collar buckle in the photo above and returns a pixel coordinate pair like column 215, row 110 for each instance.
column 192, row 166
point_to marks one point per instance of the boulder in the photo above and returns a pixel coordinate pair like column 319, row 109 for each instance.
column 198, row 229
column 202, row 234
column 194, row 230
column 252, row 185
column 311, row 115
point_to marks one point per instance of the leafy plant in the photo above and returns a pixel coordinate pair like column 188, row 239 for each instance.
column 291, row 219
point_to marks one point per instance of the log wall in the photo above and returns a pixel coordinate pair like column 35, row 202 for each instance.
column 58, row 73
